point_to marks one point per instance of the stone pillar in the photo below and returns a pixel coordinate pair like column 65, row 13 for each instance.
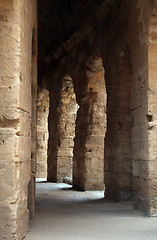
column 42, row 133
column 68, row 108
column 62, row 116
column 143, row 107
column 31, row 187
column 150, row 166
column 15, row 115
column 54, row 133
column 88, row 169
column 118, row 162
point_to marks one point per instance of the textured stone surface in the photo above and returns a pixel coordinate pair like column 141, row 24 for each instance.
column 42, row 133
column 118, row 163
column 143, row 93
column 15, row 115
column 88, row 171
column 62, row 132
column 117, row 38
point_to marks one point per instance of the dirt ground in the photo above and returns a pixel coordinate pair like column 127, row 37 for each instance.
column 64, row 214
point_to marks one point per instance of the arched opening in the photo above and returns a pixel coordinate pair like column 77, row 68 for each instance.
column 77, row 126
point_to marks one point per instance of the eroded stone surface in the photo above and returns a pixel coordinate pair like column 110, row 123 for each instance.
column 42, row 133
column 62, row 118
column 118, row 38
column 15, row 115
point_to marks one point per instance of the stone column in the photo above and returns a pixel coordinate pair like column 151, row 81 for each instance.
column 143, row 106
column 118, row 162
column 54, row 132
column 68, row 109
column 31, row 187
column 62, row 130
column 150, row 166
column 42, row 133
column 88, row 160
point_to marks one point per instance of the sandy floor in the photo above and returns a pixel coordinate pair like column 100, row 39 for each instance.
column 63, row 214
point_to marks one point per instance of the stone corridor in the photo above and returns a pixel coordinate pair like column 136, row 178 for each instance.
column 65, row 214
column 78, row 105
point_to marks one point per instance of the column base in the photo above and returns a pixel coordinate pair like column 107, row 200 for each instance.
column 118, row 194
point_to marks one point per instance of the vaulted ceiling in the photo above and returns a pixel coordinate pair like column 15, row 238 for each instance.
column 58, row 20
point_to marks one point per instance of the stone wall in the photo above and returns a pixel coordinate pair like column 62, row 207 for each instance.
column 18, row 18
column 151, row 166
column 130, row 61
column 42, row 133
